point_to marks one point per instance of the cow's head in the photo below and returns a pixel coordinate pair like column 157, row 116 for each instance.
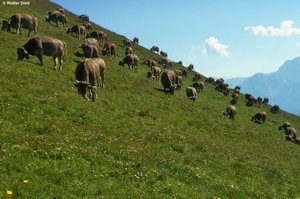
column 5, row 25
column 121, row 63
column 149, row 74
column 82, row 87
column 68, row 30
column 22, row 53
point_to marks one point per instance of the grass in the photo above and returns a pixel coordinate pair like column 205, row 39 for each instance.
column 134, row 141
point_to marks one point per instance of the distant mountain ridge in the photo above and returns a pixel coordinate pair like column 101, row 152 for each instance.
column 281, row 87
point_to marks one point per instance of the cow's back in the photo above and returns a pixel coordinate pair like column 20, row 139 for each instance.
column 51, row 46
column 25, row 20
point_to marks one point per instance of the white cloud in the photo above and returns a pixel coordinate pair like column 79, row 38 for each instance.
column 213, row 46
column 286, row 29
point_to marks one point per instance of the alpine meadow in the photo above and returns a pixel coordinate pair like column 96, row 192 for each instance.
column 134, row 141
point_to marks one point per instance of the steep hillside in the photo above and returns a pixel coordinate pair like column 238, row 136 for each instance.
column 281, row 86
column 134, row 141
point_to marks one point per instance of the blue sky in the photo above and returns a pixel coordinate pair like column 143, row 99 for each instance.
column 221, row 38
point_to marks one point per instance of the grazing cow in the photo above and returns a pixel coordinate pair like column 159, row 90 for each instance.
column 99, row 35
column 284, row 126
column 199, row 86
column 135, row 40
column 237, row 88
column 154, row 49
column 154, row 72
column 219, row 81
column 131, row 60
column 21, row 20
column 250, row 99
column 88, row 74
column 90, row 48
column 265, row 101
column 126, row 42
column 289, row 131
column 191, row 93
column 88, row 26
column 237, row 91
column 109, row 50
column 57, row 17
column 235, row 98
column 150, row 63
column 259, row 100
column 230, row 112
column 178, row 72
column 210, row 80
column 84, row 18
column 42, row 45
column 223, row 87
column 61, row 10
column 165, row 62
column 275, row 109
column 53, row 12
column 179, row 82
column 77, row 30
column 170, row 81
column 128, row 50
column 180, row 62
column 259, row 117
column 184, row 72
column 190, row 67
column 163, row 54
column 197, row 77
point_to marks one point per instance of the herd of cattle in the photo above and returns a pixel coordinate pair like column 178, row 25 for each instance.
column 90, row 72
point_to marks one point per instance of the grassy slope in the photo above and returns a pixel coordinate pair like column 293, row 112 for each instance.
column 134, row 141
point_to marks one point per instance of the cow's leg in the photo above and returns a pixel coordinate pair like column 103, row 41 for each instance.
column 40, row 56
column 54, row 61
column 102, row 80
column 60, row 63
column 94, row 92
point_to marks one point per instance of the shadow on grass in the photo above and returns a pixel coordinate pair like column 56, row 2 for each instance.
column 78, row 54
column 297, row 141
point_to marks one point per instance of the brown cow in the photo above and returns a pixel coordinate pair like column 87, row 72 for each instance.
column 170, row 81
column 184, row 72
column 150, row 63
column 165, row 62
column 88, row 26
column 88, row 74
column 61, row 10
column 77, row 30
column 90, row 48
column 289, row 131
column 135, row 40
column 109, row 50
column 235, row 98
column 99, row 35
column 126, row 42
column 154, row 72
column 84, row 18
column 275, row 109
column 199, row 86
column 259, row 117
column 21, row 20
column 57, row 17
column 131, row 60
column 163, row 54
column 230, row 112
column 259, row 100
column 154, row 49
column 42, row 45
column 191, row 93
column 210, row 80
column 128, row 50
column 190, row 67
column 197, row 77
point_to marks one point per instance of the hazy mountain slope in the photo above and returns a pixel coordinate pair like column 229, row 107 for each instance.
column 134, row 141
column 281, row 86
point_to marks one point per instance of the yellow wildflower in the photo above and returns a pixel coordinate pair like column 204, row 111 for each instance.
column 9, row 192
column 25, row 181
